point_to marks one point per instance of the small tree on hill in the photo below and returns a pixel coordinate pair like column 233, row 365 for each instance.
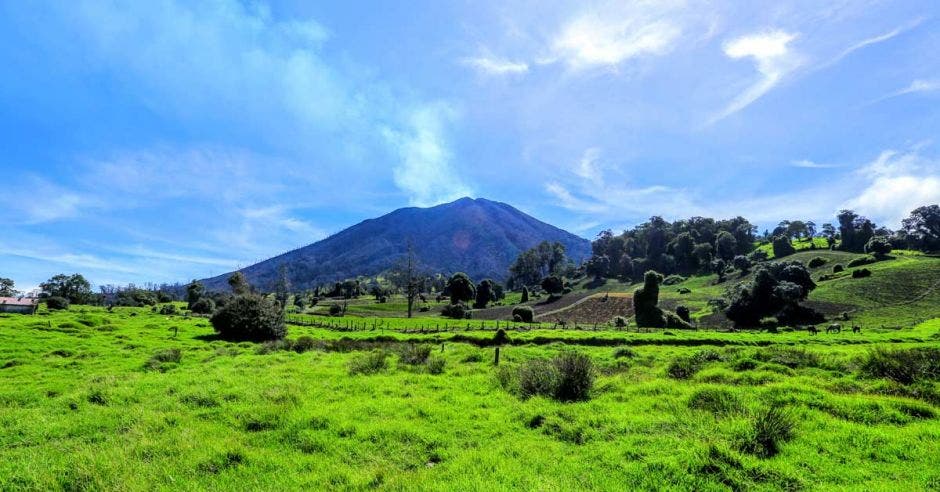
column 725, row 245
column 645, row 305
column 782, row 246
column 194, row 292
column 525, row 294
column 460, row 288
column 553, row 284
column 7, row 288
column 485, row 294
column 878, row 246
column 250, row 318
column 239, row 284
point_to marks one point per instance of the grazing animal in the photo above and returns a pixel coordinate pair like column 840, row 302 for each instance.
column 834, row 328
column 812, row 330
column 856, row 329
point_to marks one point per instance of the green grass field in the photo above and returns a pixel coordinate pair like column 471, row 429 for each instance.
column 95, row 400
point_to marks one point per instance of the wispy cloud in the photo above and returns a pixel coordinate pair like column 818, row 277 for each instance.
column 496, row 66
column 808, row 164
column 773, row 59
column 871, row 41
column 425, row 171
column 918, row 85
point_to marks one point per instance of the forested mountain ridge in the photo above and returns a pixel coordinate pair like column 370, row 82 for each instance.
column 477, row 236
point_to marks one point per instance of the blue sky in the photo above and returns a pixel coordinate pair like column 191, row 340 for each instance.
column 166, row 140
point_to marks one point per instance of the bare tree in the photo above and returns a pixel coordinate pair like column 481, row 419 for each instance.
column 406, row 276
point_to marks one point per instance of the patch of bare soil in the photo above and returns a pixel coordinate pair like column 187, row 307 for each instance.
column 599, row 308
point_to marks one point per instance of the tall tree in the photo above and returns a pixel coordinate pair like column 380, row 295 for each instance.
column 282, row 287
column 460, row 288
column 239, row 284
column 923, row 227
column 7, row 288
column 72, row 287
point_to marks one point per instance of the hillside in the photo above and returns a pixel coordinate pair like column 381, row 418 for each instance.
column 477, row 236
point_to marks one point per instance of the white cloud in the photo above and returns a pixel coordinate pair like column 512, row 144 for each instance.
column 918, row 85
column 897, row 182
column 425, row 172
column 496, row 66
column 38, row 200
column 608, row 39
column 808, row 164
column 773, row 58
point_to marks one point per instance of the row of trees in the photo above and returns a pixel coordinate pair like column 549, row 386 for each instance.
column 684, row 246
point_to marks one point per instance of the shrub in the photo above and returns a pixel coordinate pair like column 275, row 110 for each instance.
column 620, row 321
column 456, row 311
column 683, row 313
column 878, row 246
column 682, row 368
column 250, row 318
column 304, row 344
column 500, row 337
column 782, row 246
column 336, row 309
column 436, row 365
column 56, row 303
column 816, row 262
column 673, row 279
column 568, row 377
column 525, row 313
column 525, row 294
column 371, row 363
column 905, row 366
column 861, row 273
column 159, row 360
column 575, row 376
column 414, row 354
column 862, row 260
column 645, row 305
column 718, row 401
column 168, row 309
column 204, row 305
column 769, row 428
column 837, row 268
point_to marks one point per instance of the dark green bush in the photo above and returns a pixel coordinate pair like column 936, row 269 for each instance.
column 304, row 344
column 371, row 363
column 250, row 318
column 837, row 268
column 525, row 313
column 861, row 273
column 457, row 310
column 204, row 305
column 862, row 260
column 621, row 321
column 168, row 309
column 673, row 279
column 336, row 309
column 816, row 262
column 56, row 303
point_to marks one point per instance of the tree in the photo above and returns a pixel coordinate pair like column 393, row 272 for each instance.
column 485, row 294
column 72, row 287
column 810, row 229
column 194, row 291
column 878, row 246
column 923, row 228
column 553, row 284
column 239, row 284
column 783, row 247
column 525, row 294
column 719, row 266
column 7, row 288
column 828, row 230
column 460, row 288
column 703, row 254
column 645, row 305
column 598, row 266
column 741, row 263
column 282, row 287
column 407, row 277
column 203, row 305
column 725, row 245
column 250, row 318
column 775, row 290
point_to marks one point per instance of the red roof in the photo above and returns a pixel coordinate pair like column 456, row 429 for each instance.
column 19, row 301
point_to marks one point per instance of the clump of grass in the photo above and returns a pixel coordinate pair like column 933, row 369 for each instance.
column 624, row 352
column 161, row 360
column 414, row 354
column 686, row 367
column 373, row 362
column 474, row 357
column 905, row 366
column 222, row 462
column 790, row 357
column 745, row 365
column 435, row 365
column 769, row 428
column 718, row 401
column 567, row 377
column 304, row 344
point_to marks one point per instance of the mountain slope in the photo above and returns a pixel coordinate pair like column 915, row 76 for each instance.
column 479, row 237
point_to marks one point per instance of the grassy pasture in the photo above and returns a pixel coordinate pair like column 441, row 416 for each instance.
column 133, row 400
